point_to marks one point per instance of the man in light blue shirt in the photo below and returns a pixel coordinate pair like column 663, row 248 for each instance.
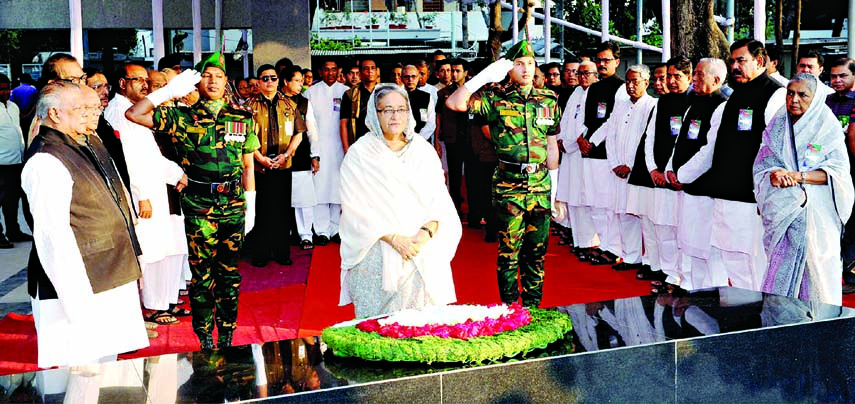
column 11, row 152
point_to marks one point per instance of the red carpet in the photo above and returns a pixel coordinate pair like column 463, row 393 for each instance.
column 301, row 300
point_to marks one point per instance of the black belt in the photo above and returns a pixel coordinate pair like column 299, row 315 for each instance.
column 213, row 188
column 522, row 168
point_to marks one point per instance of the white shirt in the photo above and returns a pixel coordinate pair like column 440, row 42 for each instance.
column 326, row 109
column 11, row 138
column 430, row 115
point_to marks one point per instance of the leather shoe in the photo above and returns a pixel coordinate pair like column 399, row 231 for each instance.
column 260, row 262
column 848, row 288
column 19, row 237
column 284, row 261
column 623, row 266
column 606, row 258
column 336, row 238
column 4, row 243
column 322, row 240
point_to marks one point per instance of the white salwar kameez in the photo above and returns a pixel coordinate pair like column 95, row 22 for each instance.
column 571, row 177
column 303, row 198
column 80, row 327
column 161, row 237
column 385, row 192
column 803, row 223
column 736, row 245
column 622, row 133
column 326, row 105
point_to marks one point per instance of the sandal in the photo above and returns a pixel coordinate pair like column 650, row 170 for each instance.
column 162, row 318
column 176, row 311
column 306, row 245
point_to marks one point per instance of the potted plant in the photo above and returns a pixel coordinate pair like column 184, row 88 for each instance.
column 329, row 20
column 375, row 21
column 428, row 20
column 400, row 20
column 346, row 23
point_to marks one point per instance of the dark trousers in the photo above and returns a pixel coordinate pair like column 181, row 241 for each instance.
column 460, row 156
column 273, row 214
column 481, row 193
column 10, row 194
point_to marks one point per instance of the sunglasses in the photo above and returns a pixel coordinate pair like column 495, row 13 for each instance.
column 269, row 78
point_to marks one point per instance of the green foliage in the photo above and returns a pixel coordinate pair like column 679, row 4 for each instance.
column 546, row 327
column 11, row 40
column 317, row 43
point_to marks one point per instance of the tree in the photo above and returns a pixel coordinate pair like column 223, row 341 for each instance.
column 694, row 32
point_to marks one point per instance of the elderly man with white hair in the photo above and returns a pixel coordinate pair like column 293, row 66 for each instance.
column 622, row 134
column 694, row 209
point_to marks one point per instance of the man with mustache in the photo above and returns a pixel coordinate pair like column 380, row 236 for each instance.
column 599, row 104
column 723, row 169
column 215, row 142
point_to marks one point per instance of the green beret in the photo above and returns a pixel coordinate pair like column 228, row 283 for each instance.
column 520, row 49
column 215, row 60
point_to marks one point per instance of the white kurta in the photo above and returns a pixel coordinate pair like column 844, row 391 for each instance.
column 662, row 207
column 163, row 234
column 326, row 104
column 80, row 326
column 596, row 194
column 302, row 182
column 571, row 185
column 622, row 132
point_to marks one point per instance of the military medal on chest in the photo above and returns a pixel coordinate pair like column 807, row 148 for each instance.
column 544, row 116
column 235, row 131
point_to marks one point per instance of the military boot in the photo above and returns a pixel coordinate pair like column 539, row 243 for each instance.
column 206, row 341
column 224, row 339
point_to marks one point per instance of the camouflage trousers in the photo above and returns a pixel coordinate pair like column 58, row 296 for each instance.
column 214, row 251
column 523, row 224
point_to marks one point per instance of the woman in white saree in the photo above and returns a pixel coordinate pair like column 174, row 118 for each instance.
column 804, row 194
column 399, row 227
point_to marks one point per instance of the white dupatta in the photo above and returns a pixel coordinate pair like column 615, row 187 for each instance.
column 385, row 192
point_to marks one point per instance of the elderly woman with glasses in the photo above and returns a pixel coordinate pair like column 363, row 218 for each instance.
column 399, row 228
column 804, row 194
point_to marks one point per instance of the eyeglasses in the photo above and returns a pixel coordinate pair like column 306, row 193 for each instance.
column 140, row 79
column 269, row 78
column 589, row 74
column 410, row 76
column 553, row 74
column 98, row 87
column 392, row 112
column 571, row 71
column 603, row 60
column 74, row 80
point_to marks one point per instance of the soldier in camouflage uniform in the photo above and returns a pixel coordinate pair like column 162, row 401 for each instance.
column 214, row 141
column 523, row 124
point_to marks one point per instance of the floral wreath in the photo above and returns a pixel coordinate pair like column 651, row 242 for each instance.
column 545, row 327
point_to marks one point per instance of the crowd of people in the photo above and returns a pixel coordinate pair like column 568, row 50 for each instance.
column 693, row 175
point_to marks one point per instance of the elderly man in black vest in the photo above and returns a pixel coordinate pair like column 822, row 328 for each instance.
column 83, row 268
column 723, row 169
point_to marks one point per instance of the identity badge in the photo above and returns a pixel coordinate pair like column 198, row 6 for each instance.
column 601, row 110
column 676, row 124
column 814, row 151
column 471, row 116
column 336, row 104
column 694, row 129
column 289, row 127
column 423, row 114
column 578, row 110
column 844, row 120
column 746, row 117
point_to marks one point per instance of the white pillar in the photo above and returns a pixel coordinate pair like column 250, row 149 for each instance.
column 851, row 29
column 760, row 20
column 605, row 26
column 218, row 24
column 197, row 31
column 666, row 30
column 639, row 28
column 516, row 16
column 75, row 15
column 245, row 53
column 731, row 16
column 157, row 30
column 547, row 30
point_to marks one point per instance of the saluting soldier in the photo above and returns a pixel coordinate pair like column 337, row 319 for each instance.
column 523, row 124
column 215, row 141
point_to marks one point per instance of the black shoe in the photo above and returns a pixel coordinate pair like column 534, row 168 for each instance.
column 623, row 266
column 848, row 288
column 322, row 241
column 306, row 245
column 605, row 258
column 284, row 261
column 19, row 237
column 336, row 238
column 260, row 262
column 4, row 243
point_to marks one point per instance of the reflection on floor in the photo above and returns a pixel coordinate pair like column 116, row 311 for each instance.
column 278, row 303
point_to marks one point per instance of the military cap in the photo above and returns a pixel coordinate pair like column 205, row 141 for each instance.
column 519, row 49
column 215, row 60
